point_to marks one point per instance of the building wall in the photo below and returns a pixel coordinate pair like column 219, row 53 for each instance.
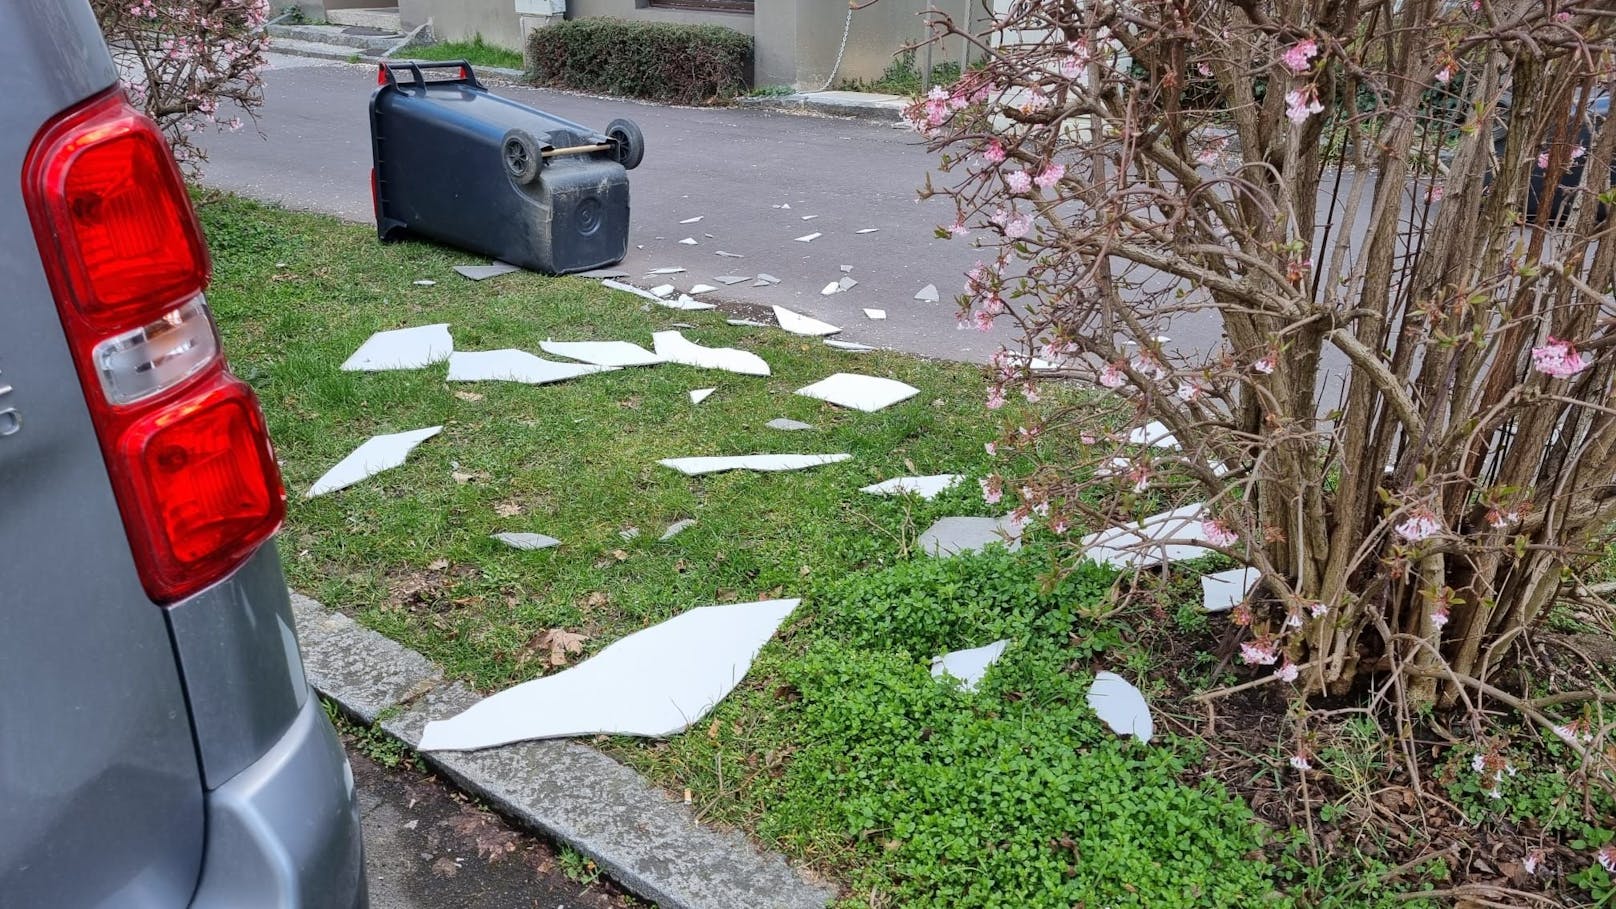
column 876, row 34
column 460, row 20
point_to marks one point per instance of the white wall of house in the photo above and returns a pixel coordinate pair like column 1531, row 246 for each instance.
column 461, row 20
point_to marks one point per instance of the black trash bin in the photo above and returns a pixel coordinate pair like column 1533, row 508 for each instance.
column 462, row 166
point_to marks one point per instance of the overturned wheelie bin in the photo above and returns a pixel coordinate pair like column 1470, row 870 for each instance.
column 457, row 164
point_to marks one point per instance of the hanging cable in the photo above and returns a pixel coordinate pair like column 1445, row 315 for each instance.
column 847, row 29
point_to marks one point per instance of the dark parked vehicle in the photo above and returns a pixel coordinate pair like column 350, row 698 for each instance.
column 159, row 746
column 1598, row 109
column 458, row 164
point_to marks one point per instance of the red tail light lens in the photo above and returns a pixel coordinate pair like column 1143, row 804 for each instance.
column 184, row 440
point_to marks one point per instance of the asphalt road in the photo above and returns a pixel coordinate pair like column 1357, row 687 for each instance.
column 731, row 167
column 427, row 847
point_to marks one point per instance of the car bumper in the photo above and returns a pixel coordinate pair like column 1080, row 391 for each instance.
column 284, row 833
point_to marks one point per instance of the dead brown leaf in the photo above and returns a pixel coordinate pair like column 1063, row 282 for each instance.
column 507, row 509
column 620, row 555
column 445, row 867
column 595, row 599
column 466, row 476
column 438, row 565
column 556, row 644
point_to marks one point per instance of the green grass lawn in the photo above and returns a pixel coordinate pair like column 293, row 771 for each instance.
column 476, row 51
column 840, row 748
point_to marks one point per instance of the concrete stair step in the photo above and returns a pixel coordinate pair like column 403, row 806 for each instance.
column 373, row 17
column 359, row 38
column 314, row 49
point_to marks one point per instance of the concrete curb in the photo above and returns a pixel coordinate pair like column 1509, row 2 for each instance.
column 643, row 839
column 858, row 109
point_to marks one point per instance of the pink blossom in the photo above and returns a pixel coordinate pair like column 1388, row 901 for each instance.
column 1147, row 363
column 1577, row 151
column 1242, row 615
column 983, row 320
column 1543, row 161
column 1558, row 359
column 1607, row 858
column 1287, row 672
column 1574, row 732
column 1036, row 101
column 1204, row 69
column 992, row 489
column 1439, row 617
column 1564, row 17
column 1050, row 175
column 1293, row 618
column 991, row 448
column 1111, row 376
column 1059, row 526
column 1506, row 518
column 995, row 398
column 1422, row 524
column 994, row 152
column 1266, row 364
column 1435, row 192
column 1301, row 104
column 1317, row 609
column 1258, row 652
column 1531, row 861
column 1299, row 761
column 1300, row 55
column 1218, row 533
column 1207, row 155
column 1018, row 227
column 1445, row 74
column 1189, row 391
column 1018, row 182
column 1030, row 392
column 1139, row 474
column 1087, row 438
column 958, row 229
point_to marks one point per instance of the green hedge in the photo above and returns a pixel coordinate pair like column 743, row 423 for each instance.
column 680, row 64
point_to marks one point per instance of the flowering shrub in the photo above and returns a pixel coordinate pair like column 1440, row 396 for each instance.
column 1373, row 228
column 187, row 63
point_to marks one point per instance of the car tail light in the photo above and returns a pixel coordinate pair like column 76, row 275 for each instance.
column 184, row 440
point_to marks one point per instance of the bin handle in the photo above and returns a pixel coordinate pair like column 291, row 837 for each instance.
column 388, row 72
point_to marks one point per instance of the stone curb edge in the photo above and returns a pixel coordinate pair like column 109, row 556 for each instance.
column 644, row 840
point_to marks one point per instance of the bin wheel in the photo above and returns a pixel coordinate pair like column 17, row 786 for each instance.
column 630, row 142
column 522, row 155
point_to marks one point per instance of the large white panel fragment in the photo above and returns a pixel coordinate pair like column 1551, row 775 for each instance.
column 866, row 393
column 377, row 454
column 799, row 324
column 404, row 348
column 691, row 467
column 1121, row 706
column 602, row 353
column 515, row 366
column 1225, row 590
column 925, row 487
column 655, row 682
column 952, row 536
column 1145, row 544
column 673, row 347
column 969, row 666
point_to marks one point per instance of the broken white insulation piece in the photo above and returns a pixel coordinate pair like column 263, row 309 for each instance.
column 484, row 272
column 788, row 425
column 701, row 394
column 1144, row 544
column 925, row 487
column 853, row 346
column 1155, row 434
column 602, row 353
column 876, row 314
column 928, row 294
column 377, row 454
column 686, row 302
column 655, row 682
column 1120, row 705
column 403, row 348
column 833, row 287
column 952, row 536
column 866, row 393
column 515, row 366
column 799, row 324
column 672, row 346
column 527, row 541
column 969, row 666
column 702, row 289
column 692, row 467
column 1225, row 590
column 809, row 238
column 692, row 220
column 676, row 528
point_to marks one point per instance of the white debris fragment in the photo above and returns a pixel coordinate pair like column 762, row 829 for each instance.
column 729, row 255
column 1144, row 544
column 846, row 269
column 526, row 540
column 847, row 284
column 662, row 290
column 727, row 280
column 1120, row 705
column 515, row 366
column 748, row 323
column 926, row 487
column 768, row 279
column 673, row 347
column 876, row 314
column 701, row 394
column 799, row 324
column 484, row 272
column 767, row 463
column 834, row 287
column 928, row 294
column 404, row 348
column 952, row 536
column 655, row 682
column 852, row 346
column 702, row 289
column 969, row 666
column 602, row 353
column 630, row 289
column 1154, row 434
column 788, row 425
column 425, row 282
column 686, row 302
column 629, row 534
column 866, row 393
column 676, row 528
column 1225, row 590
column 692, row 220
column 689, row 241
column 809, row 217
column 809, row 238
column 671, row 270
column 377, row 454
